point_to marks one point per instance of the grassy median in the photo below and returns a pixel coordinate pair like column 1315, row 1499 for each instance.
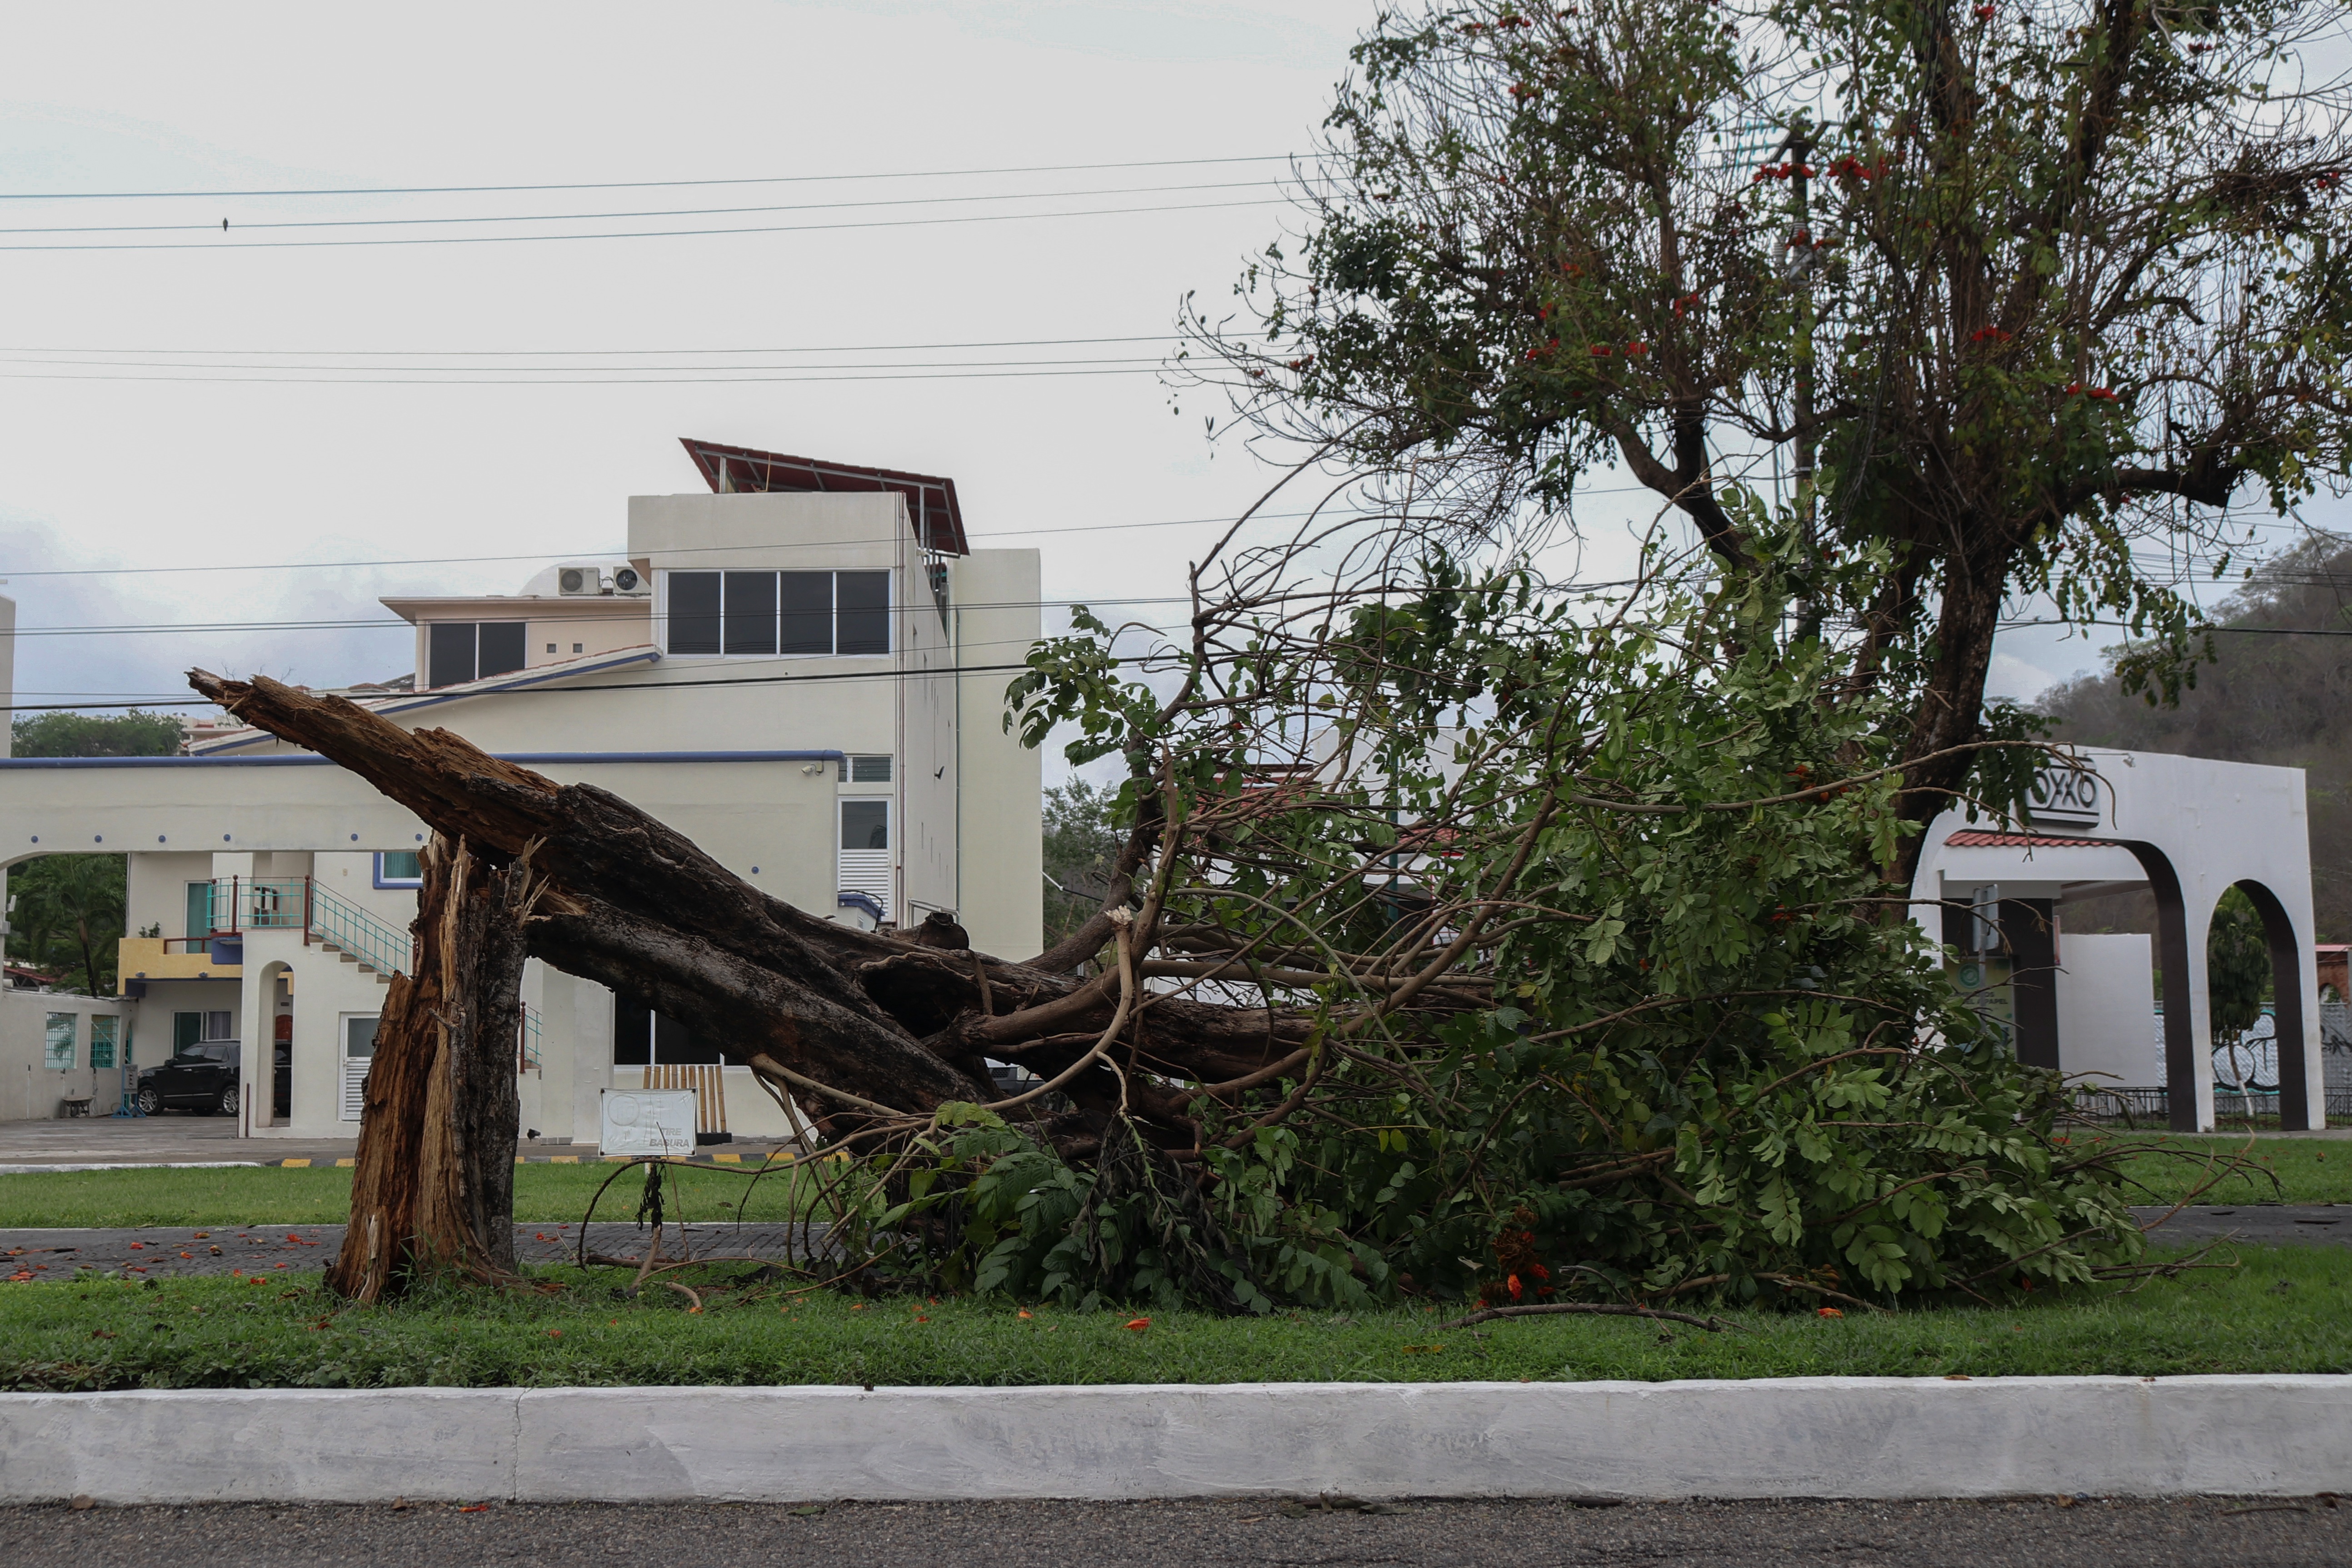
column 2279, row 1310
column 546, row 1194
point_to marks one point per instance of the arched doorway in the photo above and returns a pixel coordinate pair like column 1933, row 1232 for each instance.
column 2289, row 1008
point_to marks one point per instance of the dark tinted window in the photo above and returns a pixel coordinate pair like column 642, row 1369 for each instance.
column 449, row 652
column 750, row 612
column 694, row 612
column 865, row 612
column 674, row 1042
column 642, row 1037
column 501, row 648
column 865, row 824
column 632, row 1037
column 808, row 612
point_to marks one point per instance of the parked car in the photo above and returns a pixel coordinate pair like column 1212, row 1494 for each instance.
column 199, row 1077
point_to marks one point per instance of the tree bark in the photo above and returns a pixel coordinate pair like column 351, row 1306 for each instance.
column 432, row 1180
column 630, row 902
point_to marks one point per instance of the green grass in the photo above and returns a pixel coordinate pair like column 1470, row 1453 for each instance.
column 322, row 1196
column 553, row 1194
column 2309, row 1169
column 2281, row 1310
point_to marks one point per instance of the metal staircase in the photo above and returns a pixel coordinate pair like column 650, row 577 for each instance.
column 300, row 904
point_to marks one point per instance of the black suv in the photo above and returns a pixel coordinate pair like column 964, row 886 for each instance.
column 200, row 1077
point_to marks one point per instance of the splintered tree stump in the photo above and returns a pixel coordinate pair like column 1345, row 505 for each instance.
column 432, row 1183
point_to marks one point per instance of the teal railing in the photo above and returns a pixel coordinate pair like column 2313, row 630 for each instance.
column 300, row 904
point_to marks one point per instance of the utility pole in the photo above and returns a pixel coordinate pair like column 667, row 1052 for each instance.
column 1801, row 144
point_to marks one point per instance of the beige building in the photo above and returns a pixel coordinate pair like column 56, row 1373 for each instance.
column 802, row 671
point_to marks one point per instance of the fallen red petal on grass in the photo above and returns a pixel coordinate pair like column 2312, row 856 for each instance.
column 1832, row 1312
column 1139, row 1324
column 555, row 1333
column 1024, row 1311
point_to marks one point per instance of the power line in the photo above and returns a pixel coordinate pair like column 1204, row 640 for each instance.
column 222, row 226
column 218, row 628
column 621, row 552
column 576, row 379
column 613, row 554
column 640, row 184
column 643, row 233
column 607, row 353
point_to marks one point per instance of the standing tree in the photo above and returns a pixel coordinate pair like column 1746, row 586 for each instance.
column 74, row 904
column 68, row 908
column 2017, row 298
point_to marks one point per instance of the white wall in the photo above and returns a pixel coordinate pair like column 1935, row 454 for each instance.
column 2107, row 1010
column 1001, row 858
column 29, row 1087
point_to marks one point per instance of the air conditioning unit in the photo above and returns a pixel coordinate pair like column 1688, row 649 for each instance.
column 628, row 580
column 576, row 581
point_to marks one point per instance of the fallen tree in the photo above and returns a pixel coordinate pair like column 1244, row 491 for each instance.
column 1462, row 943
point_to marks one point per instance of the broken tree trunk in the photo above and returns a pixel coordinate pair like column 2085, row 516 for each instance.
column 854, row 1025
column 432, row 1183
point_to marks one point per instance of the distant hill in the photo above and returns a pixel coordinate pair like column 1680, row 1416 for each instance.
column 2284, row 701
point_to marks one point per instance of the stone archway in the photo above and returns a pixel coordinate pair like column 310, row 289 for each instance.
column 2289, row 1009
column 2184, row 1075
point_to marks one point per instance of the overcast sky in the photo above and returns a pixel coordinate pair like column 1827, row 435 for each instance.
column 166, row 407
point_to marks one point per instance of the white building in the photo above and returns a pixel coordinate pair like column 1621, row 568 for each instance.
column 2185, row 829
column 803, row 671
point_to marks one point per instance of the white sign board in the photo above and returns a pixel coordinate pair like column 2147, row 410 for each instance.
column 2066, row 798
column 648, row 1122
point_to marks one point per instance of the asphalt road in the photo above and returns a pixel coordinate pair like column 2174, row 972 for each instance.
column 2033, row 1533
column 164, row 1252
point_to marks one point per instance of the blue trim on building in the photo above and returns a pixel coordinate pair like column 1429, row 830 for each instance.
column 309, row 761
column 867, row 902
column 416, row 881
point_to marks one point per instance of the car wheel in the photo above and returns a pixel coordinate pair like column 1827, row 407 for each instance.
column 150, row 1103
column 227, row 1106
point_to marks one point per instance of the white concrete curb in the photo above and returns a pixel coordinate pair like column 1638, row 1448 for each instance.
column 1845, row 1438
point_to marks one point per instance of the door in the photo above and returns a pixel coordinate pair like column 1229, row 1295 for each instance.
column 199, row 917
column 359, row 1055
column 865, row 853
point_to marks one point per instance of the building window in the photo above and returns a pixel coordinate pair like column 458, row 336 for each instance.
column 754, row 615
column 59, row 1034
column 459, row 651
column 865, row 824
column 200, row 908
column 642, row 1037
column 102, row 1039
column 398, row 868
column 866, row 770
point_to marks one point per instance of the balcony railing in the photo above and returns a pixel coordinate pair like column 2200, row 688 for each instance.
column 240, row 904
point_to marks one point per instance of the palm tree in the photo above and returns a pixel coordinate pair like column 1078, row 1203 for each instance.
column 76, row 900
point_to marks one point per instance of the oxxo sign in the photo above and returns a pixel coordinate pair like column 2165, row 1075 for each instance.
column 2067, row 798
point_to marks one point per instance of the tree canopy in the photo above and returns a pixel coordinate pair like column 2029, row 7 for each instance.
column 2015, row 298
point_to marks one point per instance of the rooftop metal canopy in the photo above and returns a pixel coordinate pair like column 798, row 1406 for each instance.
column 930, row 501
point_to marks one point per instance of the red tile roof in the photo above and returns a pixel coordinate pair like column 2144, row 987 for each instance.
column 1976, row 838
